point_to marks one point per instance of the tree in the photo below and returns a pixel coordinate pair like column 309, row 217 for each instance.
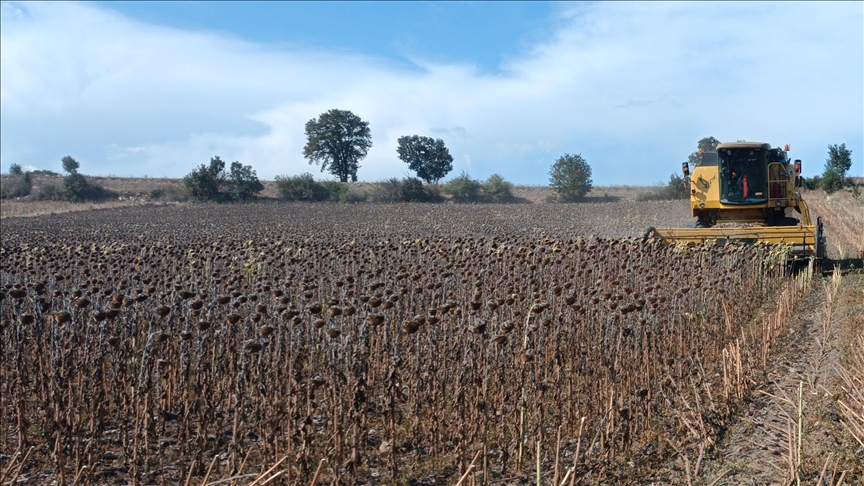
column 570, row 176
column 839, row 158
column 426, row 156
column 16, row 169
column 244, row 182
column 707, row 144
column 70, row 165
column 337, row 140
column 205, row 181
column 75, row 185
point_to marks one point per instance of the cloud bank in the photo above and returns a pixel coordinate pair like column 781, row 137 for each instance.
column 630, row 86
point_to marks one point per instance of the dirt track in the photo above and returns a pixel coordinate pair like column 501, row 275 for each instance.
column 756, row 447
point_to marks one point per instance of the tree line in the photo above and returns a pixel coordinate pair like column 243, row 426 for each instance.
column 338, row 140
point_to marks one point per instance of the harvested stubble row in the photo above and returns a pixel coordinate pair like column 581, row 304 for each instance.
column 392, row 341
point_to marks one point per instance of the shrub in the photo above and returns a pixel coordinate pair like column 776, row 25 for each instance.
column 45, row 172
column 244, row 182
column 387, row 191
column 409, row 189
column 464, row 189
column 832, row 180
column 16, row 169
column 204, row 182
column 76, row 188
column 813, row 183
column 676, row 188
column 341, row 192
column 301, row 188
column 497, row 190
column 17, row 185
column 49, row 192
column 413, row 190
column 169, row 193
column 336, row 191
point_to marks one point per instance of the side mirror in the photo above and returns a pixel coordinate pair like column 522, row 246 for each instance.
column 798, row 165
column 686, row 168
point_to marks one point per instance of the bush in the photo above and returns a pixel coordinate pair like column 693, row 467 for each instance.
column 570, row 176
column 409, row 189
column 85, row 192
column 497, row 190
column 341, row 192
column 464, row 189
column 677, row 188
column 45, row 172
column 387, row 191
column 336, row 191
column 18, row 185
column 76, row 188
column 832, row 180
column 204, row 182
column 244, row 182
column 16, row 169
column 301, row 188
column 412, row 190
column 49, row 192
column 169, row 193
column 813, row 183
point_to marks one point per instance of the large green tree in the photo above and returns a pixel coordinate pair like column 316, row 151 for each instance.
column 570, row 176
column 707, row 144
column 426, row 156
column 337, row 140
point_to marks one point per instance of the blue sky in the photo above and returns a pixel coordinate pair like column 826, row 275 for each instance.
column 157, row 88
column 482, row 33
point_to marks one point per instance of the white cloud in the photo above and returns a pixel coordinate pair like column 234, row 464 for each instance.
column 630, row 86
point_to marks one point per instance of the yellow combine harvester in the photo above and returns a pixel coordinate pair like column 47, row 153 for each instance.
column 746, row 192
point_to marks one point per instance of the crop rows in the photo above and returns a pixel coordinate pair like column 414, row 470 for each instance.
column 395, row 343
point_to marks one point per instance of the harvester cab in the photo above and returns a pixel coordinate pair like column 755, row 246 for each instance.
column 747, row 192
